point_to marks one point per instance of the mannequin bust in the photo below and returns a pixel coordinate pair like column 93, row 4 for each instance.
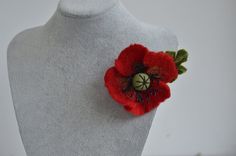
column 56, row 76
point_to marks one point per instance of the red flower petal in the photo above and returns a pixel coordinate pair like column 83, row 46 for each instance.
column 115, row 84
column 129, row 57
column 162, row 64
column 163, row 93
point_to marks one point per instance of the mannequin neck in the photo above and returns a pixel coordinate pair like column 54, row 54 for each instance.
column 63, row 28
column 85, row 8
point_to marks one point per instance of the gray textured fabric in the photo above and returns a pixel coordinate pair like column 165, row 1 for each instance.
column 85, row 8
column 56, row 75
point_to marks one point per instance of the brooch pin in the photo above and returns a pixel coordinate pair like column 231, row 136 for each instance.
column 139, row 79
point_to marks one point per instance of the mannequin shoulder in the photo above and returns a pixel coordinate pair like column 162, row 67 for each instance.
column 24, row 39
column 164, row 37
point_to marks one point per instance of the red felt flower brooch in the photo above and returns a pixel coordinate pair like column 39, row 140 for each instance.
column 138, row 81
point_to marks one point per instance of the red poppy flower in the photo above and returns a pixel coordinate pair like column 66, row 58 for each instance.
column 138, row 79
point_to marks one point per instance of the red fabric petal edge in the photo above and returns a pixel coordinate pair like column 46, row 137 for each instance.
column 115, row 82
column 129, row 57
column 162, row 64
column 162, row 94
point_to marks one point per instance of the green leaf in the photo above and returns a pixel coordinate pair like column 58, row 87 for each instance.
column 171, row 53
column 181, row 69
column 181, row 57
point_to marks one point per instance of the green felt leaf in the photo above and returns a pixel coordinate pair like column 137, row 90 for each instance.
column 171, row 53
column 181, row 69
column 181, row 57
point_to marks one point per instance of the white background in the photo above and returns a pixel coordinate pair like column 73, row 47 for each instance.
column 200, row 118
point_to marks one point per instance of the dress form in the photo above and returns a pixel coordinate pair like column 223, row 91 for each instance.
column 56, row 76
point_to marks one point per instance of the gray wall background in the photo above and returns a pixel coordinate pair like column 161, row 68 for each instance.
column 200, row 118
